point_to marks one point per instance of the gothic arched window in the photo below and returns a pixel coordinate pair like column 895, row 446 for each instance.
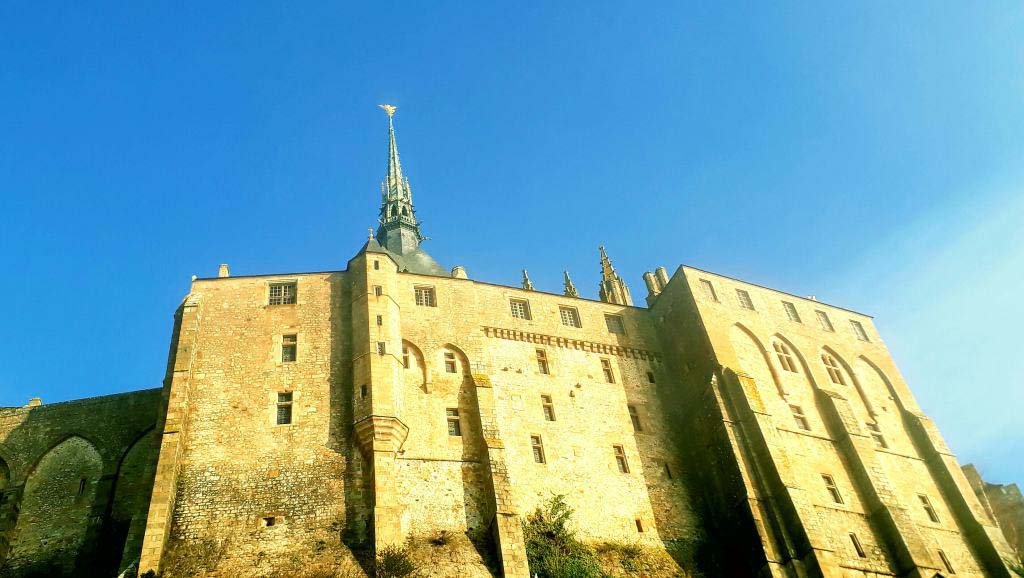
column 835, row 373
column 785, row 356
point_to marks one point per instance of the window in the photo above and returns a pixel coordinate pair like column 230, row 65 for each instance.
column 289, row 343
column 549, row 407
column 928, row 508
column 284, row 408
column 833, row 490
column 614, row 323
column 380, row 320
column 834, row 372
column 639, row 525
column 744, row 299
column 876, row 433
column 425, row 297
column 946, row 563
column 709, row 290
column 858, row 329
column 542, row 362
column 668, row 471
column 450, row 366
column 382, row 348
column 376, row 265
column 856, row 545
column 269, row 521
column 634, row 417
column 620, row 459
column 520, row 309
column 378, row 290
column 606, row 367
column 538, row 449
column 362, row 391
column 282, row 293
column 405, row 356
column 791, row 311
column 824, row 321
column 570, row 317
column 454, row 425
column 799, row 417
column 785, row 356
column 650, row 377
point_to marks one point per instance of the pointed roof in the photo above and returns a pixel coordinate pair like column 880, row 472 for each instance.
column 612, row 289
column 570, row 287
column 527, row 284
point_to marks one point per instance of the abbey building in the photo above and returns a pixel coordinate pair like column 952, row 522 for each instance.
column 727, row 428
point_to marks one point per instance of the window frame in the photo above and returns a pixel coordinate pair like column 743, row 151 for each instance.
column 543, row 363
column 746, row 302
column 573, row 316
column 285, row 408
column 289, row 348
column 610, row 320
column 451, row 362
column 425, row 295
column 634, row 417
column 859, row 331
column 285, row 298
column 785, row 355
column 946, row 561
column 824, row 321
column 548, row 407
column 800, row 417
column 524, row 306
column 857, row 546
column 606, row 367
column 876, row 432
column 790, row 308
column 835, row 370
column 929, row 508
column 621, row 462
column 453, row 418
column 537, row 449
column 709, row 290
column 833, row 489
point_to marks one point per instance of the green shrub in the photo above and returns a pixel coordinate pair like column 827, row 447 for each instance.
column 551, row 547
column 394, row 562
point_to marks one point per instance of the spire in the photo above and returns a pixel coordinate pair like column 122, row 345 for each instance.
column 527, row 284
column 613, row 289
column 570, row 288
column 399, row 231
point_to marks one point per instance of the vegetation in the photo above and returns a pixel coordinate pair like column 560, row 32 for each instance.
column 394, row 562
column 551, row 546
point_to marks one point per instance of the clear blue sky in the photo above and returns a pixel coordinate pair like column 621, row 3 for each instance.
column 871, row 154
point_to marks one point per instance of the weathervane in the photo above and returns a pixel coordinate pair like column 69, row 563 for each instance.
column 388, row 108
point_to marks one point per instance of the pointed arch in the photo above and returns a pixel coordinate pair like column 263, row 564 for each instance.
column 453, row 353
column 84, row 437
column 805, row 368
column 885, row 380
column 826, row 350
column 414, row 362
column 765, row 356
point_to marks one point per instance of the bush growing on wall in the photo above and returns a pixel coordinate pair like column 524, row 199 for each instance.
column 551, row 547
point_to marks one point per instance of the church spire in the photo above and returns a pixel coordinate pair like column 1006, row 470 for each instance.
column 570, row 287
column 613, row 289
column 527, row 284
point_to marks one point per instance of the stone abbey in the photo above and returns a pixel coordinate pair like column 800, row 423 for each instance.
column 735, row 429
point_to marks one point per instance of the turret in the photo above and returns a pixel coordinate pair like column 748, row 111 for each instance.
column 613, row 289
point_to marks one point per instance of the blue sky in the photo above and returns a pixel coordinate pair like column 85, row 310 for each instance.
column 867, row 153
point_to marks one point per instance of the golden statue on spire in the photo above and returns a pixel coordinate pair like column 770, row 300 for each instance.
column 388, row 108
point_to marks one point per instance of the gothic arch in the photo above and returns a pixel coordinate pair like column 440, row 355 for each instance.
column 414, row 362
column 87, row 439
column 765, row 356
column 133, row 486
column 461, row 360
column 853, row 379
column 806, row 370
column 890, row 390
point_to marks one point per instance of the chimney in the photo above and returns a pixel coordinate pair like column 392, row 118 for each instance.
column 652, row 283
column 223, row 271
column 662, row 277
column 459, row 272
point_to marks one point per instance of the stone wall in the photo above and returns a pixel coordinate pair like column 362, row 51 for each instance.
column 1005, row 505
column 77, row 478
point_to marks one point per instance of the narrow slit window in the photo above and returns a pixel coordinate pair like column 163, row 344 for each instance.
column 283, row 293
column 929, row 509
column 876, row 433
column 378, row 290
column 744, row 298
column 425, row 297
column 542, row 362
column 606, row 367
column 833, row 490
column 380, row 320
column 709, row 290
column 538, row 449
column 454, row 424
column 284, row 408
column 835, row 373
column 799, row 417
column 650, row 377
column 376, row 265
column 289, row 348
column 857, row 546
column 858, row 330
column 785, row 356
column 570, row 317
column 824, row 321
column 382, row 348
column 791, row 311
column 620, row 459
column 520, row 308
column 668, row 471
column 946, row 562
column 639, row 525
column 548, row 407
column 405, row 356
column 362, row 391
column 450, row 365
column 634, row 417
column 614, row 324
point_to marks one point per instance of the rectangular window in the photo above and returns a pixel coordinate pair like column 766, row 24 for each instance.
column 450, row 366
column 520, row 309
column 650, row 377
column 620, row 459
column 639, row 525
column 284, row 408
column 380, row 320
column 876, row 433
column 800, row 418
column 376, row 265
column 606, row 367
column 709, row 290
column 791, row 311
column 570, row 317
column 928, row 508
column 856, row 545
column 833, row 490
column 634, row 417
column 362, row 391
column 542, row 362
column 289, row 345
column 538, row 449
column 614, row 323
column 946, row 562
column 668, row 471
column 382, row 348
column 378, row 290
column 858, row 330
column 549, row 407
column 425, row 297
column 824, row 321
column 454, row 425
column 744, row 299
column 405, row 356
column 282, row 293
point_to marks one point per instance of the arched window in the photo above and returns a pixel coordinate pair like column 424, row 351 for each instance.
column 834, row 371
column 785, row 356
column 405, row 211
